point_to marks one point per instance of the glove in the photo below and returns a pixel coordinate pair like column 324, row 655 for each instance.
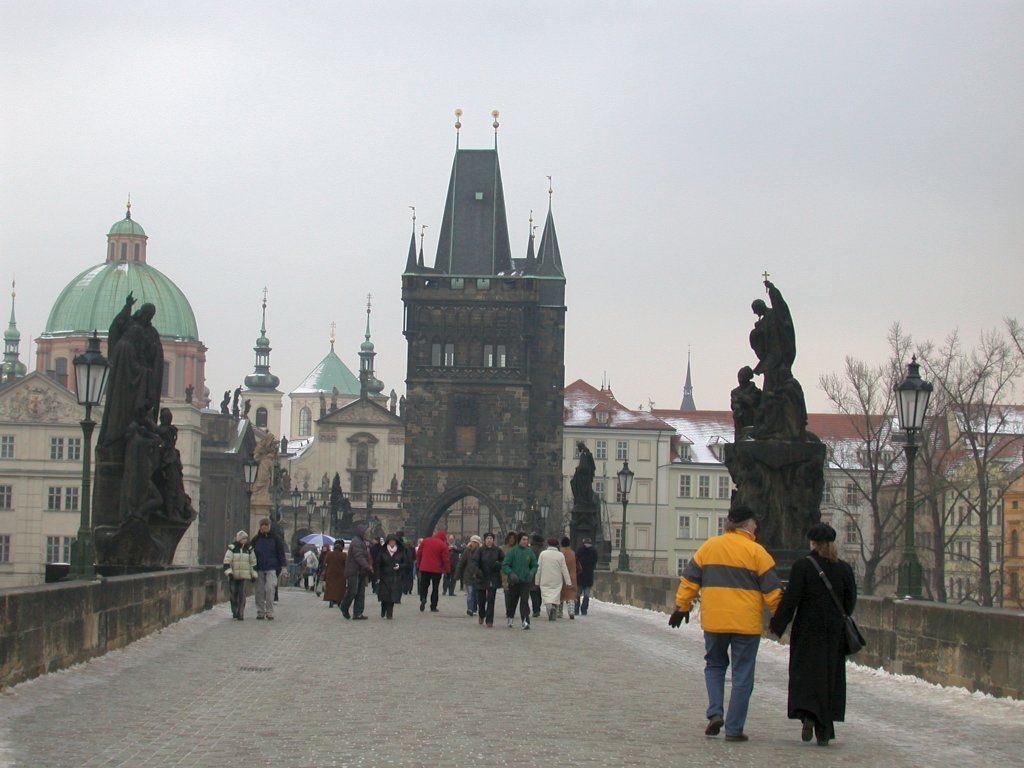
column 678, row 618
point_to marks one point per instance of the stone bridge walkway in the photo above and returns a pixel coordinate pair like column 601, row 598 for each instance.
column 617, row 688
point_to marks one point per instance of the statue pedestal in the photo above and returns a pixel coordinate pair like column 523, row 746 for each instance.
column 782, row 481
column 138, row 543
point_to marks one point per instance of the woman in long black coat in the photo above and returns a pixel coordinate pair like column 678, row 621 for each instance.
column 817, row 651
column 389, row 567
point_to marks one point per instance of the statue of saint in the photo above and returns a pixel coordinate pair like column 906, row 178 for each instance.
column 773, row 338
column 190, row 392
column 744, row 401
column 225, row 404
column 136, row 375
column 264, row 454
column 582, row 482
column 234, row 402
column 171, row 482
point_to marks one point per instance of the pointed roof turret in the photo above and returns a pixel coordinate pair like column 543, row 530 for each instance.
column 13, row 368
column 548, row 257
column 369, row 384
column 688, row 404
column 423, row 232
column 474, row 231
column 530, row 263
column 261, row 378
column 410, row 262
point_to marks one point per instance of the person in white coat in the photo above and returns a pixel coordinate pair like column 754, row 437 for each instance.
column 552, row 575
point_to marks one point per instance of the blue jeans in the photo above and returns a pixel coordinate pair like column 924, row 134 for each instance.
column 744, row 655
column 583, row 600
column 471, row 598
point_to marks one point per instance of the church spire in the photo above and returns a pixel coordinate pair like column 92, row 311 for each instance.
column 423, row 232
column 530, row 265
column 13, row 368
column 410, row 262
column 549, row 258
column 368, row 383
column 261, row 378
column 688, row 404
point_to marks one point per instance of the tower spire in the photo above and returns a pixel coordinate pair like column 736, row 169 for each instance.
column 423, row 230
column 458, row 127
column 495, row 124
column 128, row 213
column 261, row 378
column 368, row 383
column 688, row 404
column 410, row 262
column 334, row 327
column 369, row 299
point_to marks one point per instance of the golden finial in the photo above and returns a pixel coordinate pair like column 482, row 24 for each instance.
column 413, row 209
column 494, row 114
column 264, row 297
column 128, row 215
column 334, row 327
column 369, row 298
column 423, row 230
column 551, row 189
column 458, row 119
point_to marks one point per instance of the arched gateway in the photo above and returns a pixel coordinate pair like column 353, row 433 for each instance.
column 485, row 372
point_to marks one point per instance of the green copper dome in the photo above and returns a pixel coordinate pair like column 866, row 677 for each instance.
column 94, row 297
column 127, row 226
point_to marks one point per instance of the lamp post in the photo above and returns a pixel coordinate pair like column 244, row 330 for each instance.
column 310, row 506
column 544, row 509
column 250, row 470
column 90, row 380
column 296, row 501
column 517, row 519
column 625, row 477
column 912, row 395
column 323, row 517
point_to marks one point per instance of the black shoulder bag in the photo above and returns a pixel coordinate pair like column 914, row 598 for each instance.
column 854, row 639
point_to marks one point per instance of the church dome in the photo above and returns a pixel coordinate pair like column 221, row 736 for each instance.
column 94, row 297
column 127, row 226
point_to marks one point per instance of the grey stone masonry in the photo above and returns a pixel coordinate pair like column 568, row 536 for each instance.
column 614, row 688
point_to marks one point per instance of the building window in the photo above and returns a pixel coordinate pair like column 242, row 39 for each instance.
column 599, row 489
column 261, row 417
column 111, row 257
column 305, row 422
column 724, row 487
column 600, row 449
column 58, row 549
column 621, row 450
column 721, row 525
column 684, row 486
column 435, row 355
column 165, row 384
column 851, row 532
column 60, row 371
column 683, row 532
column 616, row 537
column 6, row 446
column 502, row 360
column 124, row 251
column 6, row 496
column 681, row 563
column 449, row 355
column 71, row 499
column 488, row 355
column 5, row 548
column 601, row 415
column 851, row 493
column 74, row 449
column 1014, row 543
column 135, row 252
column 56, row 448
column 684, row 452
column 704, row 486
column 53, row 498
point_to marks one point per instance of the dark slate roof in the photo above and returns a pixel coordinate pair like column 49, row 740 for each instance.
column 549, row 260
column 410, row 262
column 474, row 233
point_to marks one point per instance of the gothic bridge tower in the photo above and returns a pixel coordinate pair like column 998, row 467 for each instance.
column 485, row 369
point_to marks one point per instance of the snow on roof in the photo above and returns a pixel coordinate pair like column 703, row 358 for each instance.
column 584, row 402
column 298, row 447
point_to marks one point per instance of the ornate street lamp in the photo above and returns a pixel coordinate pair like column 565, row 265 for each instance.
column 91, row 371
column 296, row 501
column 625, row 478
column 310, row 506
column 912, row 395
column 323, row 517
column 250, row 470
column 544, row 509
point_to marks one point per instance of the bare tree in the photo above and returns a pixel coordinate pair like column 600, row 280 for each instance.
column 870, row 462
column 976, row 385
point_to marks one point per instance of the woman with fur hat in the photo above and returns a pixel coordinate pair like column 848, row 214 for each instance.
column 817, row 650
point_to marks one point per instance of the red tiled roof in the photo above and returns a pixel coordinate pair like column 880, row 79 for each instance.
column 583, row 402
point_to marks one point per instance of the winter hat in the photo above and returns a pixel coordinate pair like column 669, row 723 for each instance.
column 475, row 538
column 741, row 514
column 552, row 542
column 241, row 535
column 822, row 532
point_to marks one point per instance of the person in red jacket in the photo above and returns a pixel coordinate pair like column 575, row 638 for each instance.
column 432, row 562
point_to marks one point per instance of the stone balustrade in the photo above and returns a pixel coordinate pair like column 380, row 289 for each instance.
column 50, row 627
column 981, row 649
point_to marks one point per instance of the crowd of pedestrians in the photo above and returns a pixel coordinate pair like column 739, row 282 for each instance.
column 733, row 575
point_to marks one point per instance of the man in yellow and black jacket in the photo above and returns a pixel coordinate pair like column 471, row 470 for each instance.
column 736, row 578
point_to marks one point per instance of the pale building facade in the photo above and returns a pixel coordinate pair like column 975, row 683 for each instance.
column 41, row 476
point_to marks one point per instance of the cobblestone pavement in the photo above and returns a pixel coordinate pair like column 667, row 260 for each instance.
column 616, row 688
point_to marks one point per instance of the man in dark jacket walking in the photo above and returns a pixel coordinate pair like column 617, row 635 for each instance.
column 454, row 555
column 586, row 559
column 432, row 561
column 358, row 569
column 488, row 578
column 271, row 559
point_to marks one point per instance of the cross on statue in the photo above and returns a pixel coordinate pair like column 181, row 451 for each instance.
column 765, row 275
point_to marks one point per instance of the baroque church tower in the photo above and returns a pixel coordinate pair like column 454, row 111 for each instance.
column 485, row 368
column 261, row 385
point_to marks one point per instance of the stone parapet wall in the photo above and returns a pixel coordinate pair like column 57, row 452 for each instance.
column 981, row 649
column 50, row 627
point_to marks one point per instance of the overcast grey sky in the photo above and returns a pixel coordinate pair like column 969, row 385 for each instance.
column 869, row 155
